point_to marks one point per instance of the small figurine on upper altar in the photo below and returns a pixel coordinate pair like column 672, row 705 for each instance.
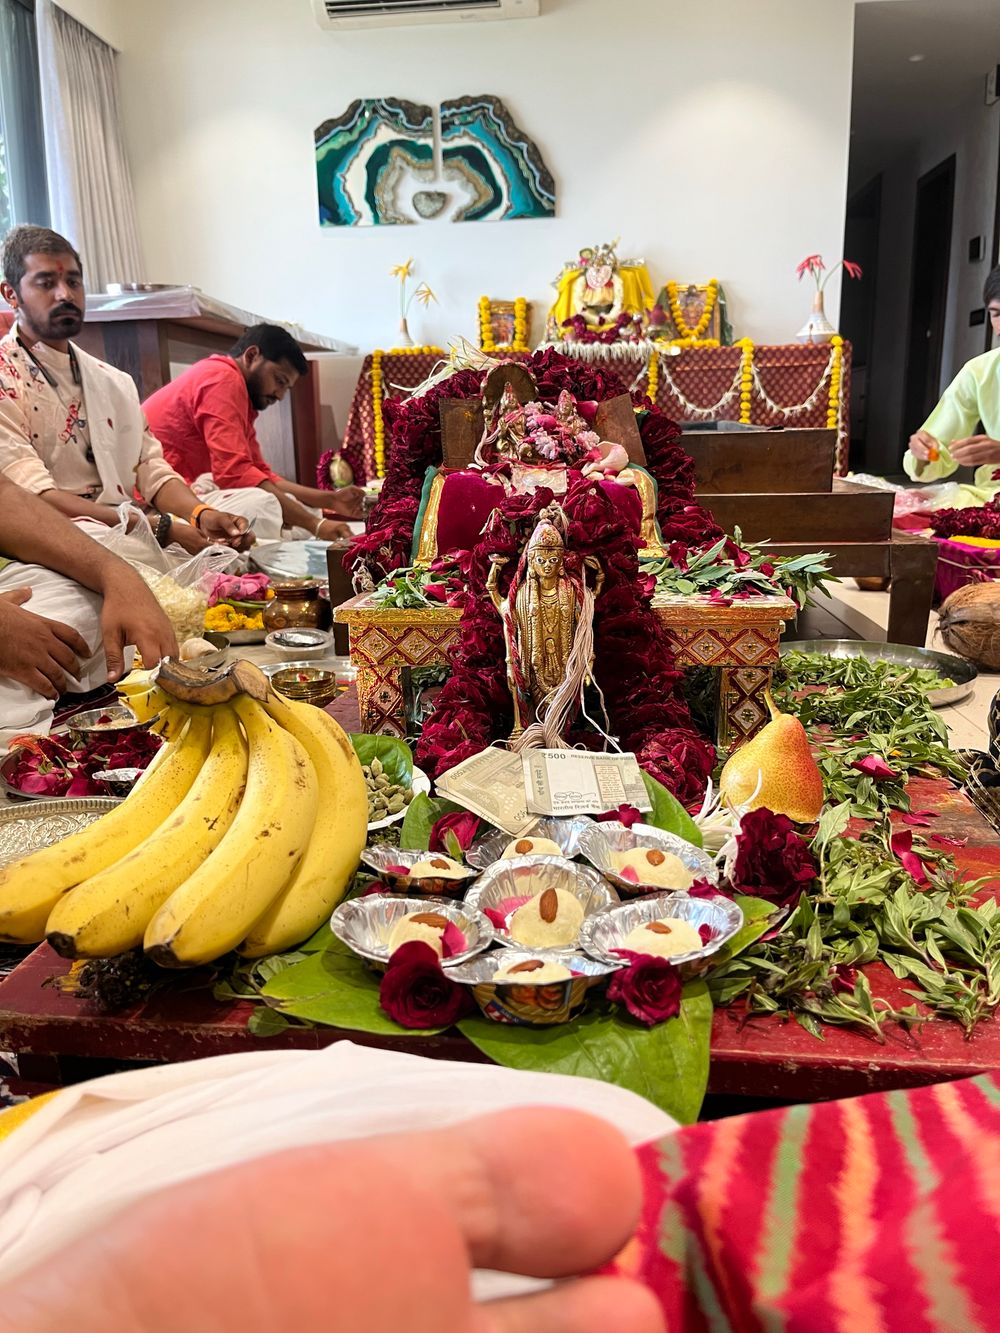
column 600, row 296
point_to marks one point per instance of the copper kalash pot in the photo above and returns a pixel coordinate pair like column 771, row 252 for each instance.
column 297, row 602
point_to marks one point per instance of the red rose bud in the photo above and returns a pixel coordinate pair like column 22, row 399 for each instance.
column 415, row 992
column 649, row 988
column 461, row 824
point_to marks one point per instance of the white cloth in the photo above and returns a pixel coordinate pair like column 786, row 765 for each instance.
column 32, row 419
column 57, row 597
column 99, row 1146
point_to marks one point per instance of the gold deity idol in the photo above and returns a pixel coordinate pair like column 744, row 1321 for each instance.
column 548, row 630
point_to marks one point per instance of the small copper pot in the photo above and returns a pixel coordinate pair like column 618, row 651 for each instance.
column 297, row 602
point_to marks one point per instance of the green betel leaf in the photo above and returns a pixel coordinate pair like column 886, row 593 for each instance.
column 336, row 989
column 265, row 1022
column 668, row 813
column 422, row 814
column 666, row 1064
column 757, row 918
column 393, row 754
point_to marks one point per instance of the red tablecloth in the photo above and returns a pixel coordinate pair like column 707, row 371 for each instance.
column 401, row 373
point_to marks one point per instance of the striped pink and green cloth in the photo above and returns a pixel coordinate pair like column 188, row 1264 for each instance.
column 876, row 1215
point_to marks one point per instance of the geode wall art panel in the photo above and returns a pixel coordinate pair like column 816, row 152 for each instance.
column 372, row 160
column 489, row 158
column 375, row 165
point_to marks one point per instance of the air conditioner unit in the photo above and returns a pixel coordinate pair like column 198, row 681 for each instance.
column 341, row 14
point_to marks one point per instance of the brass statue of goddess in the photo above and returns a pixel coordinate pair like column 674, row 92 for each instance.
column 548, row 631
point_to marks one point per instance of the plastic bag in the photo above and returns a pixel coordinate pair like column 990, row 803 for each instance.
column 176, row 579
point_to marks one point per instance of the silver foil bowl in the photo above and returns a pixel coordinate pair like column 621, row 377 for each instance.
column 601, row 842
column 565, row 832
column 603, row 934
column 365, row 924
column 528, row 876
column 526, row 1003
column 383, row 861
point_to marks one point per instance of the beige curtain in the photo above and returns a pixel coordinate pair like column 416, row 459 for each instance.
column 90, row 185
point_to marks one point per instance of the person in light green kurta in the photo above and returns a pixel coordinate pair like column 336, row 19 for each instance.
column 947, row 440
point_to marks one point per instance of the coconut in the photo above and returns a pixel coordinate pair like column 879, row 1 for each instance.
column 969, row 623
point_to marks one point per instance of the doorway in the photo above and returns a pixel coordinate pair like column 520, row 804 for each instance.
column 928, row 293
column 857, row 304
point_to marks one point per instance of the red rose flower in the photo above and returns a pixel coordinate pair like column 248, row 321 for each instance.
column 415, row 992
column 682, row 760
column 649, row 988
column 625, row 814
column 772, row 861
column 461, row 824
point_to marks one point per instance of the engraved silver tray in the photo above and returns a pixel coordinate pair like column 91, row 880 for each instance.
column 25, row 828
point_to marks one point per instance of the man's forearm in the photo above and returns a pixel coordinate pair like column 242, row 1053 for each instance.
column 174, row 497
column 293, row 514
column 308, row 495
column 37, row 534
column 74, row 506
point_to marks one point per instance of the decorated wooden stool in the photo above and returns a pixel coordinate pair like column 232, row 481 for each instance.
column 740, row 640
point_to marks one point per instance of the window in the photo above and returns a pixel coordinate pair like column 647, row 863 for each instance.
column 23, row 191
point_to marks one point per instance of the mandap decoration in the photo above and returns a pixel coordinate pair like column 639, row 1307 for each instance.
column 375, row 164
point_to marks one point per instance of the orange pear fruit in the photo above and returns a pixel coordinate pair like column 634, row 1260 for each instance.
column 779, row 759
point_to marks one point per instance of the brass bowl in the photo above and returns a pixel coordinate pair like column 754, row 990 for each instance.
column 310, row 684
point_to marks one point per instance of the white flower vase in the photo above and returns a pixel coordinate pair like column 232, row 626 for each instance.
column 404, row 339
column 817, row 328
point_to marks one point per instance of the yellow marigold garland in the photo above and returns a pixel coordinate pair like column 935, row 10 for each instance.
column 377, row 394
column 520, row 342
column 680, row 324
column 652, row 376
column 746, row 379
column 836, row 379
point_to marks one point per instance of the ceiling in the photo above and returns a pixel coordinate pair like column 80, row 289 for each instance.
column 897, row 102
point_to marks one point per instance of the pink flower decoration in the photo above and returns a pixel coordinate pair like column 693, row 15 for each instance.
column 902, row 849
column 625, row 814
column 917, row 818
column 874, row 767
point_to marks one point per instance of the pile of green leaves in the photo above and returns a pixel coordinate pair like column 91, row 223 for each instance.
column 404, row 589
column 868, row 907
column 853, row 711
column 712, row 569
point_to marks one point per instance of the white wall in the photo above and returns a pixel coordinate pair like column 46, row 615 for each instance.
column 971, row 131
column 711, row 135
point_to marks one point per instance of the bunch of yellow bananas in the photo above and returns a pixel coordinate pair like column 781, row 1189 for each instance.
column 244, row 832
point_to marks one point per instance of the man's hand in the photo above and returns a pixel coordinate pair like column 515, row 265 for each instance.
column 975, row 450
column 393, row 1224
column 37, row 652
column 349, row 501
column 329, row 530
column 226, row 529
column 131, row 614
column 924, row 446
column 186, row 535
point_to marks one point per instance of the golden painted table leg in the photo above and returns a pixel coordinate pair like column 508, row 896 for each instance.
column 742, row 709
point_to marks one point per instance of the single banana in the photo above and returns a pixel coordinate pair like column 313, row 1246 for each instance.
column 31, row 887
column 323, row 875
column 146, row 704
column 214, row 910
column 108, row 913
column 171, row 721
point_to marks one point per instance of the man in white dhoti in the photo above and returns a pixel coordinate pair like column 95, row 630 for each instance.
column 68, row 608
column 71, row 428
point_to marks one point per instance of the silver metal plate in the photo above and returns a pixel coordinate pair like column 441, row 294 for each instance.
column 963, row 673
column 606, row 931
column 565, row 833
column 602, row 841
column 528, row 876
column 26, row 828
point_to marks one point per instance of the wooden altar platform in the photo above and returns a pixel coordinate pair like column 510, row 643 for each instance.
column 59, row 1038
column 741, row 640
